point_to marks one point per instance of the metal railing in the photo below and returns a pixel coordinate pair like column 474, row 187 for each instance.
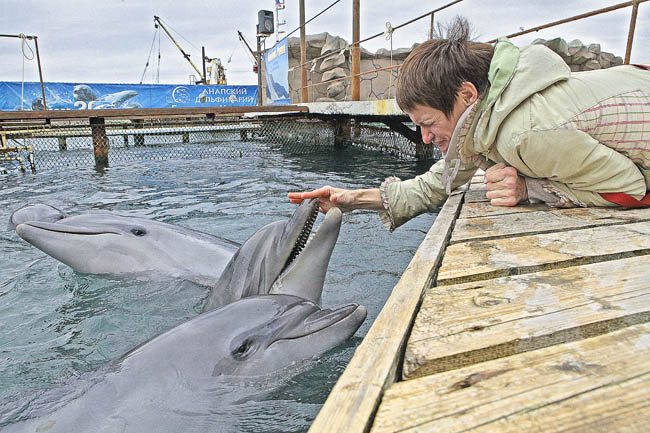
column 634, row 4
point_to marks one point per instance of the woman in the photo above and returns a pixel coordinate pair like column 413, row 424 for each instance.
column 542, row 133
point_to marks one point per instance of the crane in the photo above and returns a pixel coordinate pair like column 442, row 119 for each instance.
column 216, row 69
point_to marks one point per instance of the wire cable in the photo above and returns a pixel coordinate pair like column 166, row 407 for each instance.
column 149, row 56
column 23, row 44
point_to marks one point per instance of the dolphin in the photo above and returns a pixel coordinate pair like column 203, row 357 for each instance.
column 112, row 100
column 110, row 244
column 275, row 259
column 182, row 379
column 280, row 259
column 35, row 212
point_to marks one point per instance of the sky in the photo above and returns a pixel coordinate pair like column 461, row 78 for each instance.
column 109, row 41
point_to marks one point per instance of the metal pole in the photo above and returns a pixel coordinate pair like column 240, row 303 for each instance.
column 356, row 52
column 40, row 71
column 258, row 56
column 205, row 77
column 630, row 34
column 304, row 95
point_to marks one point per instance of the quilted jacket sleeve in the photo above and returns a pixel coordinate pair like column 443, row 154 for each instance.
column 407, row 199
column 574, row 166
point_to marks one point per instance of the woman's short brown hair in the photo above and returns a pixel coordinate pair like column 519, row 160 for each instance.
column 433, row 73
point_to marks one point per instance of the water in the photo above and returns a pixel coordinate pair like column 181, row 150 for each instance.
column 57, row 324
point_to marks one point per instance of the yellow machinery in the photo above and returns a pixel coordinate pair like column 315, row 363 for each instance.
column 12, row 153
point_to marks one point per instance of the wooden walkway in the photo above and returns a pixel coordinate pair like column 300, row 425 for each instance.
column 536, row 319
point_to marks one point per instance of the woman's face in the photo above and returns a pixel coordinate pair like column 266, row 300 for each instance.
column 434, row 125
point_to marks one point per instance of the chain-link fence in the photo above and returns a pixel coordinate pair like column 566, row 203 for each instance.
column 68, row 144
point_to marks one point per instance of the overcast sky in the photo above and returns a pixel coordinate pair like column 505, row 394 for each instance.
column 108, row 41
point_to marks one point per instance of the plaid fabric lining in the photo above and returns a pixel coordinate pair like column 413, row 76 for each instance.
column 621, row 123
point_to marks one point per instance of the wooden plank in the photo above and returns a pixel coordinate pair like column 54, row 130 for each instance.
column 598, row 384
column 476, row 196
column 480, row 260
column 356, row 395
column 484, row 208
column 147, row 112
column 474, row 322
column 507, row 225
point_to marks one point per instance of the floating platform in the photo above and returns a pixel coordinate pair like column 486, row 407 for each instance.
column 508, row 320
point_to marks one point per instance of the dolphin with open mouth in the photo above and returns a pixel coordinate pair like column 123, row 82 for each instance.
column 179, row 380
column 280, row 258
column 275, row 259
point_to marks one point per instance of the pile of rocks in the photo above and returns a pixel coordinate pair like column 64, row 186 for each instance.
column 329, row 58
column 581, row 57
column 333, row 62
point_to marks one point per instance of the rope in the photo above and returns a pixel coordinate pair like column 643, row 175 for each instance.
column 388, row 34
column 149, row 56
column 23, row 44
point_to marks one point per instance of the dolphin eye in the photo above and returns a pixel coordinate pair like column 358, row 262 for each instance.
column 242, row 351
column 139, row 232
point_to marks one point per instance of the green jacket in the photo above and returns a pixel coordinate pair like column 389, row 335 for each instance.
column 579, row 134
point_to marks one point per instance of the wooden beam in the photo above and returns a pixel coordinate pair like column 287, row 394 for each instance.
column 149, row 112
column 598, row 384
column 464, row 324
column 352, row 403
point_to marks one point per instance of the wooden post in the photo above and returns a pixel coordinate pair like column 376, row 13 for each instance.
column 356, row 52
column 304, row 96
column 63, row 145
column 343, row 133
column 138, row 139
column 40, row 72
column 630, row 34
column 258, row 56
column 100, row 141
column 431, row 29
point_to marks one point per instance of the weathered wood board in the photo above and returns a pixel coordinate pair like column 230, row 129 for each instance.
column 483, row 259
column 354, row 399
column 517, row 224
column 484, row 208
column 467, row 323
column 600, row 384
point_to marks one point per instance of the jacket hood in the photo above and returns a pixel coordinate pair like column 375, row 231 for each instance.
column 514, row 75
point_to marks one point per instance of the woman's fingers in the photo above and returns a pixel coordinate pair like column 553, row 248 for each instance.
column 504, row 185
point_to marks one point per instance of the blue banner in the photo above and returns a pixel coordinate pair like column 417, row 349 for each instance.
column 277, row 74
column 71, row 96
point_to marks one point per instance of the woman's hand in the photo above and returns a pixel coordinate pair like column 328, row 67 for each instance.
column 328, row 196
column 505, row 186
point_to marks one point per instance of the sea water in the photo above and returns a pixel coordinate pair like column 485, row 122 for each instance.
column 57, row 324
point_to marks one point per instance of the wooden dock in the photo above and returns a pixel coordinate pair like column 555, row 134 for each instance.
column 509, row 320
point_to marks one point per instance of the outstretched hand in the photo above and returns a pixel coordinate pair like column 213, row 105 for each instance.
column 328, row 196
column 505, row 186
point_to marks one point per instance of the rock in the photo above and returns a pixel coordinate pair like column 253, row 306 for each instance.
column 574, row 46
column 560, row 46
column 332, row 62
column 332, row 44
column 590, row 65
column 594, row 48
column 617, row 61
column 582, row 56
column 334, row 74
column 325, row 100
column 574, row 67
column 539, row 41
column 335, row 89
column 605, row 60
